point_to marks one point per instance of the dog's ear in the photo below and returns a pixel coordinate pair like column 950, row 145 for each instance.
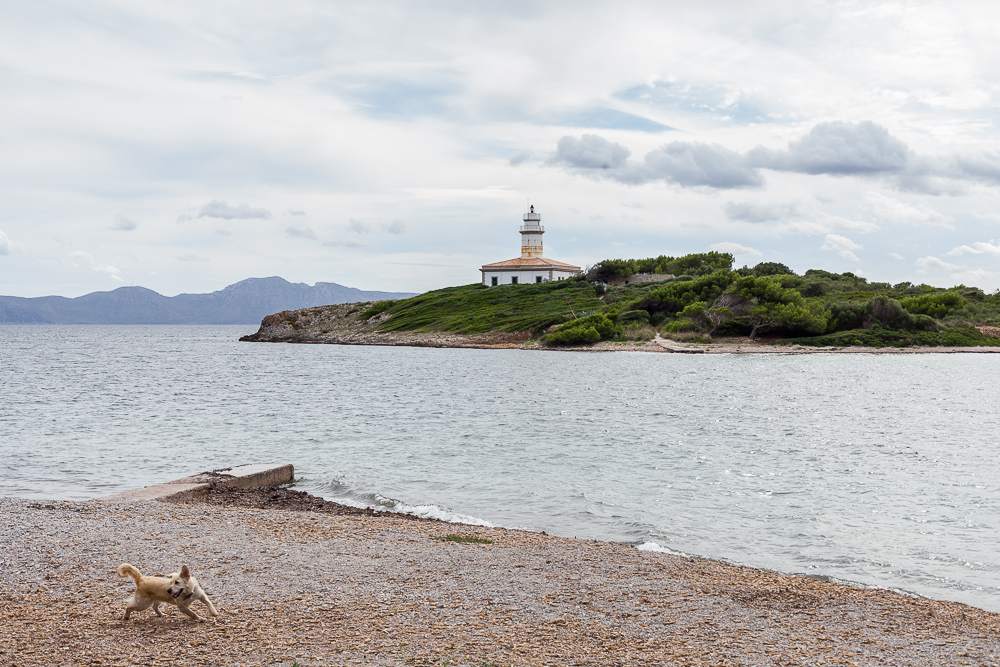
column 185, row 572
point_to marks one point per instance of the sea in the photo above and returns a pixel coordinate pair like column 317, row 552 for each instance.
column 877, row 470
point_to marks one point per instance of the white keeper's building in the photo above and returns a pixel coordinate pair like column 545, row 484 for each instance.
column 531, row 266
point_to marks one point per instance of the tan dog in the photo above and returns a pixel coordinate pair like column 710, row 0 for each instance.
column 180, row 589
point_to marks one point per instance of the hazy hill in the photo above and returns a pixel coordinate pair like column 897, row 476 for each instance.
column 245, row 302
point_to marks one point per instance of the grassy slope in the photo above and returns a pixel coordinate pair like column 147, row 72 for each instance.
column 473, row 309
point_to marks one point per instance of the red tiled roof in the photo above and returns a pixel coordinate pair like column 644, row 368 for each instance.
column 528, row 263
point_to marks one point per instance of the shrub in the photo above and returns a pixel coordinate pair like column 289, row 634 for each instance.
column 936, row 304
column 575, row 336
column 634, row 318
column 590, row 329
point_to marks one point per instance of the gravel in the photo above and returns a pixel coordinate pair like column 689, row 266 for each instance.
column 309, row 583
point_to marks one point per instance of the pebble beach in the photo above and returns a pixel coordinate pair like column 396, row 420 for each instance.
column 312, row 584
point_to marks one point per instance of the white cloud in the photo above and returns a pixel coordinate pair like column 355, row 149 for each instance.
column 301, row 233
column 124, row 224
column 736, row 249
column 759, row 211
column 395, row 227
column 87, row 260
column 894, row 211
column 836, row 242
column 344, row 244
column 957, row 272
column 519, row 158
column 847, row 254
column 220, row 209
column 896, row 255
column 978, row 248
column 6, row 245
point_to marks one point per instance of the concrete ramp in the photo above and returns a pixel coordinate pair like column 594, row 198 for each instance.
column 245, row 476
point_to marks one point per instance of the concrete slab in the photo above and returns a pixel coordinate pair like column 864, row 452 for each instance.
column 244, row 476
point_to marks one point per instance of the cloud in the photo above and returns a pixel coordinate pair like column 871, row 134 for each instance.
column 6, row 245
column 296, row 213
column 520, row 158
column 759, row 212
column 191, row 258
column 688, row 164
column 735, row 249
column 959, row 272
column 837, row 242
column 589, row 152
column 220, row 209
column 695, row 164
column 978, row 248
column 301, row 233
column 894, row 211
column 344, row 244
column 85, row 258
column 838, row 148
column 847, row 254
column 396, row 227
column 359, row 227
column 896, row 255
column 124, row 224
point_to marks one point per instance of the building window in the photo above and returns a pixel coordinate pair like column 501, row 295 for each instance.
column 494, row 280
column 538, row 279
column 513, row 280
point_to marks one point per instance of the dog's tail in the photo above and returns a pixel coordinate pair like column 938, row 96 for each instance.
column 126, row 570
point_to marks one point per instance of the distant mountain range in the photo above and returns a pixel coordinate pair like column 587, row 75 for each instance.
column 246, row 302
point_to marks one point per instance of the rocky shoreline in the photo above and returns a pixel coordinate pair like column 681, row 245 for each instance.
column 339, row 325
column 299, row 581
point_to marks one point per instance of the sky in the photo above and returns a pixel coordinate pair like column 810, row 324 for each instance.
column 390, row 145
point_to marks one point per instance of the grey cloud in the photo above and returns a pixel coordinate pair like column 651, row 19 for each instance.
column 838, row 148
column 191, row 258
column 984, row 167
column 124, row 224
column 395, row 227
column 220, row 209
column 694, row 164
column 759, row 212
column 589, row 152
column 520, row 158
column 6, row 246
column 301, row 233
column 359, row 227
column 683, row 163
column 296, row 213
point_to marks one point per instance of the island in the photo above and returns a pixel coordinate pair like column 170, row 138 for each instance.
column 693, row 303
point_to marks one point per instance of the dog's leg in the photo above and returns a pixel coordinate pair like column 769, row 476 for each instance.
column 156, row 608
column 211, row 607
column 191, row 613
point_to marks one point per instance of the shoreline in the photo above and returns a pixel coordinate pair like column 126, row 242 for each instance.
column 322, row 587
column 336, row 325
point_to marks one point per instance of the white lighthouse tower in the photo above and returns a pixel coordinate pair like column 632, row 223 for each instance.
column 532, row 266
column 531, row 235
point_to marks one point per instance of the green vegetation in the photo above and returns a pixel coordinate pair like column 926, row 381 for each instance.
column 706, row 297
column 474, row 309
column 463, row 539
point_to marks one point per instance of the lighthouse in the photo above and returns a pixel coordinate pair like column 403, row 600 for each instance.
column 532, row 266
column 531, row 234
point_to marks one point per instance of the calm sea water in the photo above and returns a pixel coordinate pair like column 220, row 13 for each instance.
column 874, row 469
